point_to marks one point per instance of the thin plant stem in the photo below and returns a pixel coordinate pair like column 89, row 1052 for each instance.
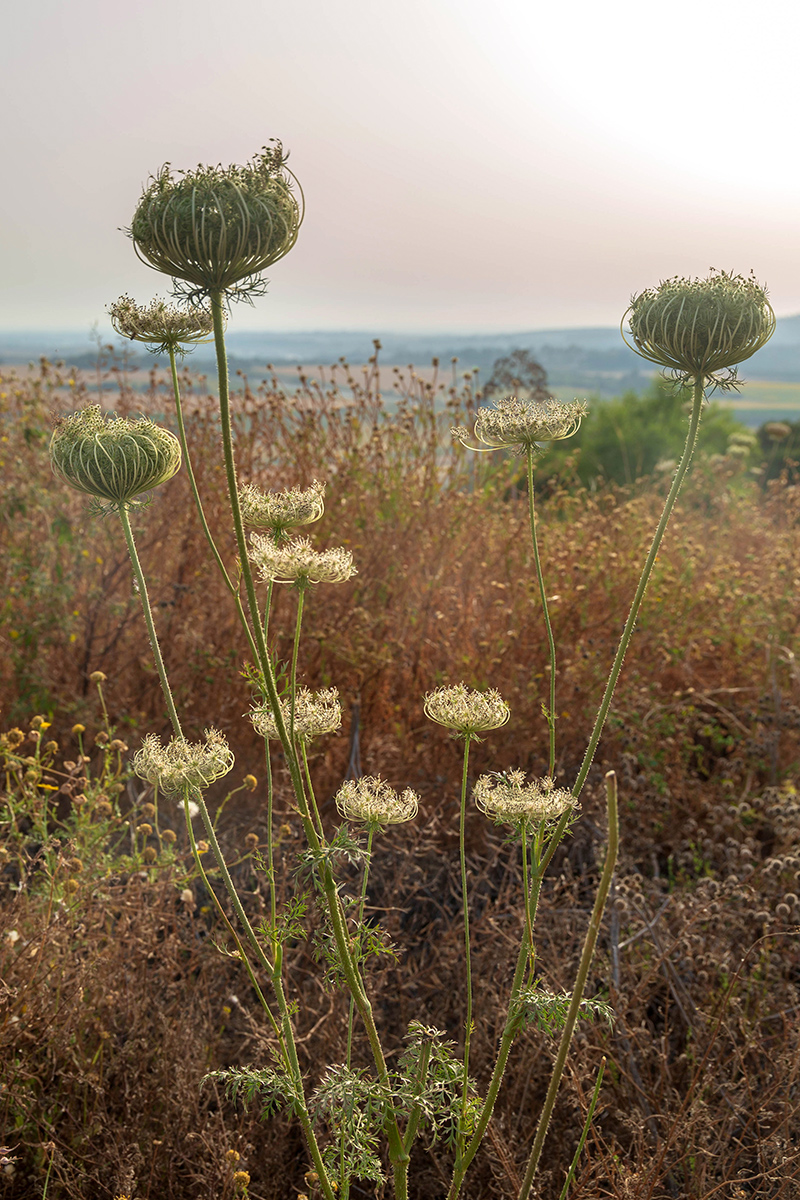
column 187, row 462
column 669, row 504
column 525, row 892
column 397, row 1153
column 344, row 1183
column 551, row 715
column 467, row 959
column 301, row 592
column 580, row 982
column 587, row 1124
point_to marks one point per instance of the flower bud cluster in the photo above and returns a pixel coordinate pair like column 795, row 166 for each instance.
column 697, row 327
column 509, row 800
column 467, row 712
column 182, row 765
column 373, row 803
column 315, row 713
column 521, row 425
column 112, row 458
column 281, row 511
column 298, row 562
column 217, row 228
column 159, row 325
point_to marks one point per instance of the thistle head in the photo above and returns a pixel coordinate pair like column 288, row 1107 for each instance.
column 216, row 229
column 509, row 800
column 695, row 328
column 298, row 562
column 161, row 326
column 466, row 712
column 182, row 766
column 315, row 713
column 372, row 802
column 112, row 458
column 280, row 512
column 521, row 425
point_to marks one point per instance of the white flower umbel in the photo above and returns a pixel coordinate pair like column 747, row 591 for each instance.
column 159, row 325
column 182, row 765
column 298, row 562
column 467, row 712
column 280, row 512
column 315, row 713
column 372, row 802
column 507, row 799
column 519, row 425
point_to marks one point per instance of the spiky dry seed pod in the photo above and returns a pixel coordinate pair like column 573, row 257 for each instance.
column 315, row 713
column 112, row 458
column 468, row 712
column 217, row 228
column 695, row 328
column 181, row 764
column 161, row 326
column 509, row 800
column 298, row 562
column 371, row 801
column 281, row 511
column 520, row 425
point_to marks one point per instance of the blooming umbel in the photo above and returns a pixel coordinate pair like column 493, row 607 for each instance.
column 522, row 424
column 697, row 327
column 315, row 713
column 373, row 803
column 467, row 712
column 159, row 325
column 216, row 229
column 509, row 800
column 281, row 511
column 112, row 458
column 182, row 765
column 298, row 562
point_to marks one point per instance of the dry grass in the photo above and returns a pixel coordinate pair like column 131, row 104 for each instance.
column 115, row 994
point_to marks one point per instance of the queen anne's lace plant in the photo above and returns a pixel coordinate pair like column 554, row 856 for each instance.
column 522, row 424
column 298, row 562
column 315, row 713
column 281, row 511
column 217, row 228
column 468, row 712
column 372, row 802
column 509, row 800
column 159, row 325
column 112, row 458
column 697, row 327
column 182, row 765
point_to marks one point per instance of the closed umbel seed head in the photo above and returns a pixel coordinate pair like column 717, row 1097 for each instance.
column 180, row 764
column 315, row 713
column 374, row 803
column 509, row 800
column 522, row 424
column 217, row 228
column 298, row 562
column 467, row 712
column 281, row 511
column 697, row 327
column 159, row 325
column 113, row 459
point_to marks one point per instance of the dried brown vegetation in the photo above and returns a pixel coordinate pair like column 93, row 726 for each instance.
column 116, row 999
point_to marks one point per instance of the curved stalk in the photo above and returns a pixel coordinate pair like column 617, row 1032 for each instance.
column 551, row 715
column 669, row 504
column 580, row 982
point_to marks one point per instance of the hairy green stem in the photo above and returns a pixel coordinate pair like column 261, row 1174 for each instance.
column 551, row 715
column 467, row 959
column 580, row 982
column 683, row 466
column 587, row 1124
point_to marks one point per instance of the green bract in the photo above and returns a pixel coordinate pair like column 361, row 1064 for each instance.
column 215, row 227
column 697, row 327
column 112, row 458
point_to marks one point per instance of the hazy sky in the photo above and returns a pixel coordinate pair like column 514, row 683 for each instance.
column 467, row 165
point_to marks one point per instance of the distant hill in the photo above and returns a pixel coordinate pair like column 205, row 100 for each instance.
column 593, row 359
